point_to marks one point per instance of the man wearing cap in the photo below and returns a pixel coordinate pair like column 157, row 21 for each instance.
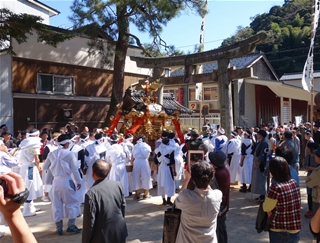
column 313, row 181
column 222, row 176
column 260, row 166
column 62, row 163
column 220, row 141
column 8, row 142
column 30, row 170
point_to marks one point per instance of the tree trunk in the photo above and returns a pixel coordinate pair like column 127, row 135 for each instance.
column 119, row 62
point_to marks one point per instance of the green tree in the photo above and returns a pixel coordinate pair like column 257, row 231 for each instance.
column 288, row 28
column 21, row 26
column 113, row 18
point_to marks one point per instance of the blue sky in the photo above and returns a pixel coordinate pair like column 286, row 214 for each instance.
column 184, row 31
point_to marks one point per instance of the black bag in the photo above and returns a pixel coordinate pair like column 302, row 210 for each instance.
column 262, row 221
column 171, row 224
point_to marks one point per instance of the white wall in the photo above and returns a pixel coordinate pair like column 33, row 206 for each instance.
column 6, row 103
column 250, row 104
column 73, row 51
column 23, row 6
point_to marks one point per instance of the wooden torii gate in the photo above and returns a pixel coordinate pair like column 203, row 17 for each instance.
column 224, row 75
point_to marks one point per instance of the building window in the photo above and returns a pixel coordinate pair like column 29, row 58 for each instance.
column 55, row 84
column 192, row 94
column 210, row 93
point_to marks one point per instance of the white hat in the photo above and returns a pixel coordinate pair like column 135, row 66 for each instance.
column 221, row 130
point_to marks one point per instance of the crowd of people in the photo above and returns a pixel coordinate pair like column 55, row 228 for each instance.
column 72, row 167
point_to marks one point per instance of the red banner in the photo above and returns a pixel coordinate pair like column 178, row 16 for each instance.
column 176, row 124
column 114, row 123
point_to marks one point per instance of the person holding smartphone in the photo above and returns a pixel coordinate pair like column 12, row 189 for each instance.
column 10, row 209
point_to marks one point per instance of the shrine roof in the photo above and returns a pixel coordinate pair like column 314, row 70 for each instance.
column 238, row 63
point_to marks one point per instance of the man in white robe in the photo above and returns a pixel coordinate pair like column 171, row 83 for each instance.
column 79, row 151
column 116, row 156
column 166, row 171
column 30, row 170
column 128, row 148
column 233, row 152
column 46, row 175
column 246, row 162
column 141, row 171
column 94, row 151
column 62, row 163
column 220, row 142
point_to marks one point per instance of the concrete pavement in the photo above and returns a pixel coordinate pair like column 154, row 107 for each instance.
column 145, row 221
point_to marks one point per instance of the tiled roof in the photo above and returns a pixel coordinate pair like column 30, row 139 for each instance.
column 239, row 63
column 295, row 76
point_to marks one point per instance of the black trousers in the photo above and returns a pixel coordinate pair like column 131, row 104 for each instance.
column 222, row 229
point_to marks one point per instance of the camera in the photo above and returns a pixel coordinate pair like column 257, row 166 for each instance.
column 4, row 185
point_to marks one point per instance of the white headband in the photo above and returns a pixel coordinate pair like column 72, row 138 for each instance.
column 33, row 134
column 140, row 140
column 128, row 139
column 76, row 136
column 221, row 130
column 63, row 142
column 84, row 139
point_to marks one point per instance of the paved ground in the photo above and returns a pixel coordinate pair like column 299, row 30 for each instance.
column 145, row 220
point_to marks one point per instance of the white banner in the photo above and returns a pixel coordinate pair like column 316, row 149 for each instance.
column 199, row 90
column 307, row 74
column 275, row 121
column 298, row 120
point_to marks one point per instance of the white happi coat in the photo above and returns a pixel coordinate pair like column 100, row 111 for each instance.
column 46, row 174
column 178, row 161
column 83, row 190
column 6, row 163
column 234, row 146
column 64, row 200
column 94, row 151
column 220, row 143
column 165, row 181
column 128, row 147
column 141, row 171
column 246, row 169
column 117, row 157
column 29, row 172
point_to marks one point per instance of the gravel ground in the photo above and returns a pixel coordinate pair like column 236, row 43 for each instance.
column 145, row 220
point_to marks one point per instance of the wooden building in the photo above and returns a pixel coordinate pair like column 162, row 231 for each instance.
column 42, row 86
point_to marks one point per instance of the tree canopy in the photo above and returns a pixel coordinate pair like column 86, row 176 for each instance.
column 289, row 30
column 113, row 19
column 21, row 26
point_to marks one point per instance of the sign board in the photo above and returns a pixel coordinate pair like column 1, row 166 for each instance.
column 193, row 106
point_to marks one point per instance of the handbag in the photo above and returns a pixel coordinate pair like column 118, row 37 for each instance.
column 171, row 224
column 263, row 221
